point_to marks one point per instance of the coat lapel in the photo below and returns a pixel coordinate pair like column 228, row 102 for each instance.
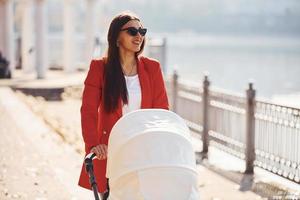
column 145, row 84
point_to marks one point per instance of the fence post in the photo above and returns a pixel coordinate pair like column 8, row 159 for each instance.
column 250, row 129
column 205, row 100
column 175, row 91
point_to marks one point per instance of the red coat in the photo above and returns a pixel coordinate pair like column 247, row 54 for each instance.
column 97, row 124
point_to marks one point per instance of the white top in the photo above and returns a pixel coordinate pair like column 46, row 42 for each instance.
column 134, row 94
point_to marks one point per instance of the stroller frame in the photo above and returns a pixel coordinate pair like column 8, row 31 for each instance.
column 88, row 161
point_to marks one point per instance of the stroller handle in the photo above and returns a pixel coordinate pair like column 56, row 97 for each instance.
column 88, row 161
column 90, row 156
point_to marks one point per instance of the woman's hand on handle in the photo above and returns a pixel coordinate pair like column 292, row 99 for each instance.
column 100, row 151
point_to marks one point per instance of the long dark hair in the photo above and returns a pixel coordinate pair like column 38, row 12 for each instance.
column 114, row 81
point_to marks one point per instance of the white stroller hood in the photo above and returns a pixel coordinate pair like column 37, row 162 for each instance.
column 150, row 157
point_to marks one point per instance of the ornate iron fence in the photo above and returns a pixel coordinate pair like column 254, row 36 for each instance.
column 262, row 133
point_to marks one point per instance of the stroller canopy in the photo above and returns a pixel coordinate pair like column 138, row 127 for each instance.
column 150, row 156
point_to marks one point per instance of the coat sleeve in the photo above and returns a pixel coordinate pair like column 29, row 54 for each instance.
column 160, row 98
column 90, row 103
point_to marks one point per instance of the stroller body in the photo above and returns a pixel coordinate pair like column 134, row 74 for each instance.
column 150, row 156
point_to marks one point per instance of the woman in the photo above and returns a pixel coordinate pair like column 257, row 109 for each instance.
column 119, row 83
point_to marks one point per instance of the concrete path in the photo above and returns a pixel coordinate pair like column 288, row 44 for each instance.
column 35, row 163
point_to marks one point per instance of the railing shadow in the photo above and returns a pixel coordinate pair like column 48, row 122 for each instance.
column 245, row 181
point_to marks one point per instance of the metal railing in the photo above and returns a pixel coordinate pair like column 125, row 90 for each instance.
column 262, row 133
column 277, row 139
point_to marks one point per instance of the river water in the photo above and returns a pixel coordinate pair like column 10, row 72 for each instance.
column 272, row 63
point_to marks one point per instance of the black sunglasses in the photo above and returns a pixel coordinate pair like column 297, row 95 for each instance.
column 134, row 31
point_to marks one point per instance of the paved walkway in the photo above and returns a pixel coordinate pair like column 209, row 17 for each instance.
column 35, row 163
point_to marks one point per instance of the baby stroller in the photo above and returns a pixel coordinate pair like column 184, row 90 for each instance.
column 150, row 157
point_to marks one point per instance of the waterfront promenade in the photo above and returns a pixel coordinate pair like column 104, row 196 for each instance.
column 41, row 149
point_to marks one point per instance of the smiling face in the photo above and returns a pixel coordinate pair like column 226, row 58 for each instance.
column 128, row 42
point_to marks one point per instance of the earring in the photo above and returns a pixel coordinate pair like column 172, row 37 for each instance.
column 118, row 44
